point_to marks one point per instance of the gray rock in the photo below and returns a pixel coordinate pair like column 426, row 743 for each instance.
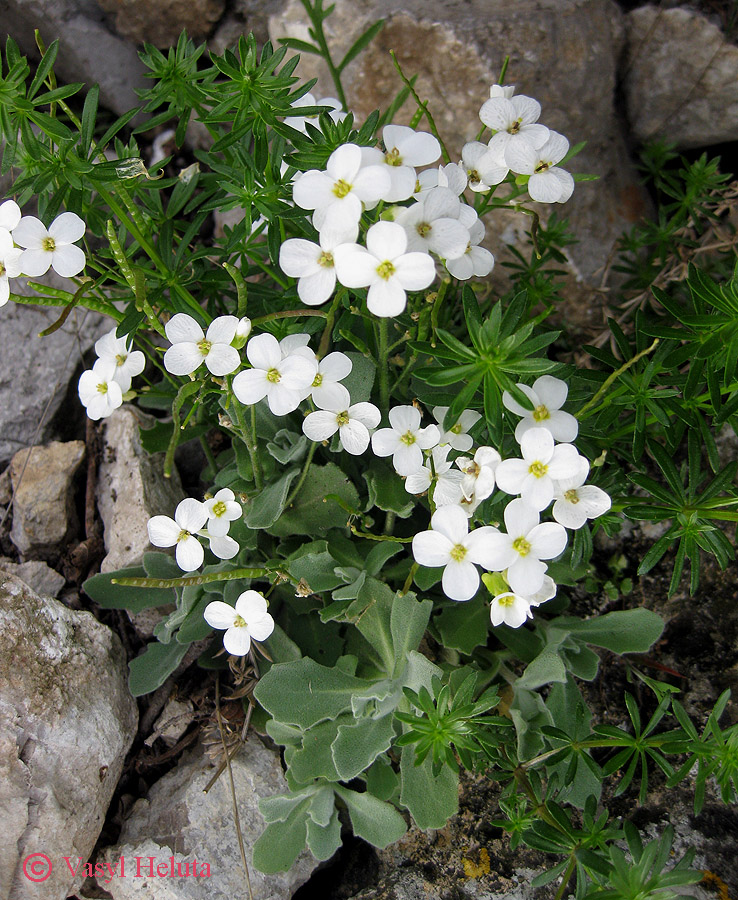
column 41, row 578
column 88, row 50
column 44, row 516
column 131, row 488
column 35, row 372
column 175, row 719
column 179, row 820
column 160, row 23
column 66, row 723
column 681, row 78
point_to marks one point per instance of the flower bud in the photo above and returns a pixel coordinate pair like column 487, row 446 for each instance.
column 243, row 330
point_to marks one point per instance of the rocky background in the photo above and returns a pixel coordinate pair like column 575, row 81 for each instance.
column 84, row 772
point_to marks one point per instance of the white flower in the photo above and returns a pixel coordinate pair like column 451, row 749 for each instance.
column 447, row 480
column 513, row 609
column 451, row 176
column 475, row 260
column 284, row 382
column 127, row 362
column 335, row 112
column 221, row 545
column 9, row 261
column 385, row 268
column 543, row 463
column 514, row 121
column 55, row 247
column 575, row 501
column 243, row 330
column 450, row 544
column 521, row 550
column 337, row 194
column 502, row 90
column 432, row 224
column 547, row 395
column 548, row 183
column 479, row 473
column 332, row 369
column 405, row 148
column 99, row 393
column 248, row 621
column 189, row 517
column 10, row 214
column 313, row 264
column 483, row 168
column 191, row 347
column 337, row 415
column 457, row 436
column 288, row 345
column 222, row 510
column 405, row 440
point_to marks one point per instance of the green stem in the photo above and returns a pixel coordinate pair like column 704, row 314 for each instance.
column 613, row 376
column 289, row 314
column 330, row 319
column 422, row 106
column 319, row 36
column 189, row 580
column 384, row 365
column 565, row 880
column 303, row 475
column 249, row 438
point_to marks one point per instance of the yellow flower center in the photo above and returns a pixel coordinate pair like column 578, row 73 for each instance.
column 48, row 244
column 239, row 622
column 540, row 413
column 572, row 496
column 342, row 418
column 204, row 346
column 219, row 508
column 120, row 359
column 515, row 127
column 318, row 380
column 342, row 188
column 521, row 546
column 505, row 599
column 273, row 376
column 2, row 270
column 385, row 270
column 423, row 229
column 456, row 429
column 408, row 438
column 326, row 260
column 392, row 157
column 458, row 552
column 538, row 469
column 542, row 166
column 102, row 388
column 472, row 469
column 183, row 535
column 474, row 175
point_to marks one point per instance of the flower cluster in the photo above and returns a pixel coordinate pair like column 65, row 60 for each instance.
column 102, row 387
column 27, row 247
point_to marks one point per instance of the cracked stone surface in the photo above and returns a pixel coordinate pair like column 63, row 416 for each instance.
column 66, row 723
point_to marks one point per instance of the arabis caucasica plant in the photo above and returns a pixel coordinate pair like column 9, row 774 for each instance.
column 401, row 470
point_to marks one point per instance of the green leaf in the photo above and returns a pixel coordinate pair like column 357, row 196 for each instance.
column 375, row 821
column 381, row 779
column 303, row 692
column 358, row 745
column 315, row 564
column 311, row 512
column 623, row 631
column 359, row 44
column 360, row 379
column 545, row 668
column 387, row 491
column 323, row 841
column 431, row 800
column 269, row 504
column 101, row 589
column 463, row 626
column 89, row 112
column 408, row 621
column 150, row 670
column 281, row 843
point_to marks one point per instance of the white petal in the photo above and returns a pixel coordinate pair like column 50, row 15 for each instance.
column 404, row 419
column 163, row 531
column 537, row 492
column 263, row 352
column 479, row 544
column 593, row 500
column 452, row 522
column 335, row 367
column 219, row 614
column 344, row 162
column 331, row 395
column 183, row 359
column 511, row 474
column 386, row 298
column 250, row 386
column 222, row 330
column 537, row 445
column 520, row 519
column 10, row 214
column 547, row 540
column 565, row 462
column 510, row 403
column 570, row 515
column 251, row 605
column 522, row 158
column 428, row 437
column 415, row 271
column 237, row 640
column 313, row 190
column 525, row 575
column 552, row 391
column 320, row 425
column 418, row 482
column 283, row 400
column 385, row 441
column 544, row 187
column 432, row 549
column 366, row 413
column 191, row 514
column 30, row 232
column 222, row 359
column 386, row 240
column 260, row 629
column 406, row 459
column 562, row 425
column 317, row 287
column 182, row 327
column 354, row 437
column 355, row 266
column 298, row 257
column 526, row 109
column 189, row 554
column 373, row 183
column 35, row 262
column 67, row 228
column 297, row 372
column 460, row 580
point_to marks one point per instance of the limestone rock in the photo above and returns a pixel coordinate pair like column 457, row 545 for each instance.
column 88, row 50
column 66, row 723
column 161, row 23
column 44, row 516
column 681, row 78
column 179, row 820
column 41, row 578
column 131, row 488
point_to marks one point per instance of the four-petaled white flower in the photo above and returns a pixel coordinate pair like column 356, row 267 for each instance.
column 479, row 473
column 547, row 183
column 542, row 464
column 248, row 621
column 405, row 148
column 313, row 264
column 547, row 395
column 405, row 440
column 457, row 436
column 575, row 501
column 337, row 414
column 127, row 363
column 521, row 550
column 450, row 544
column 335, row 111
column 222, row 510
column 191, row 347
column 326, row 390
column 483, row 167
column 447, row 481
column 432, row 224
column 513, row 609
column 475, row 260
column 338, row 194
column 515, row 123
column 9, row 262
column 54, row 247
column 285, row 382
column 189, row 517
column 98, row 391
column 385, row 268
